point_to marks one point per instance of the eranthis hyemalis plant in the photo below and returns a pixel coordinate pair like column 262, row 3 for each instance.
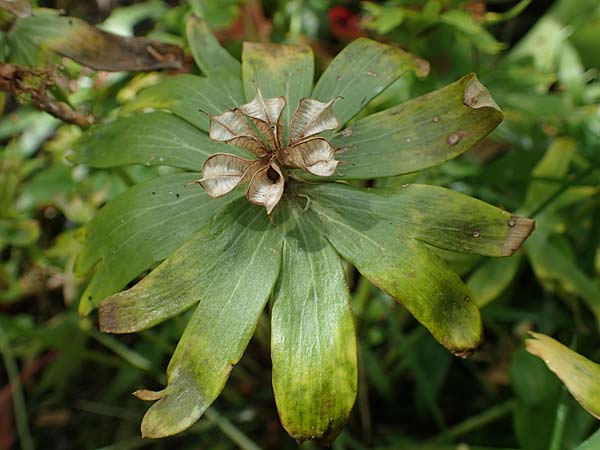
column 227, row 259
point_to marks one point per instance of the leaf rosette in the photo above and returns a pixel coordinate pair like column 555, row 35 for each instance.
column 263, row 124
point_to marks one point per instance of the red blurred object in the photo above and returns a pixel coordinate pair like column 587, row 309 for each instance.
column 344, row 24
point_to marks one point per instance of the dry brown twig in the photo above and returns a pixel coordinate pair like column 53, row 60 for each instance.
column 34, row 83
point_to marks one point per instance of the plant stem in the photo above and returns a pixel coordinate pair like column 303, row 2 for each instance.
column 135, row 359
column 362, row 294
column 562, row 412
column 18, row 399
column 566, row 185
column 229, row 429
column 475, row 422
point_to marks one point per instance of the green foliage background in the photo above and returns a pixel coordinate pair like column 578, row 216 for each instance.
column 539, row 60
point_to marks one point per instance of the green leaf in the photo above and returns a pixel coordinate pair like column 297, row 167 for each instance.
column 210, row 56
column 402, row 267
column 278, row 70
column 219, row 14
column 190, row 97
column 153, row 139
column 139, row 228
column 418, row 134
column 492, row 278
column 230, row 268
column 476, row 34
column 435, row 215
column 554, row 164
column 360, row 72
column 557, row 270
column 313, row 343
column 222, row 68
column 86, row 44
column 592, row 443
column 580, row 375
column 537, row 393
column 18, row 232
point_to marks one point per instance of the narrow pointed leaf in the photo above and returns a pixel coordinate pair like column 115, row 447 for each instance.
column 187, row 96
column 591, row 443
column 554, row 164
column 222, row 173
column 418, row 134
column 214, row 60
column 140, row 228
column 405, row 269
column 580, row 375
column 558, row 271
column 230, row 268
column 313, row 343
column 156, row 138
column 435, row 215
column 86, row 44
column 278, row 70
column 360, row 72
column 208, row 53
column 492, row 278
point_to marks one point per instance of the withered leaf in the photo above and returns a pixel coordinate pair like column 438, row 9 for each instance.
column 266, row 115
column 20, row 8
column 231, row 127
column 315, row 155
column 90, row 46
column 222, row 173
column 312, row 117
column 266, row 187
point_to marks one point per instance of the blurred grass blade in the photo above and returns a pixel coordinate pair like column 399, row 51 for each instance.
column 555, row 266
column 493, row 277
column 18, row 399
column 229, row 429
